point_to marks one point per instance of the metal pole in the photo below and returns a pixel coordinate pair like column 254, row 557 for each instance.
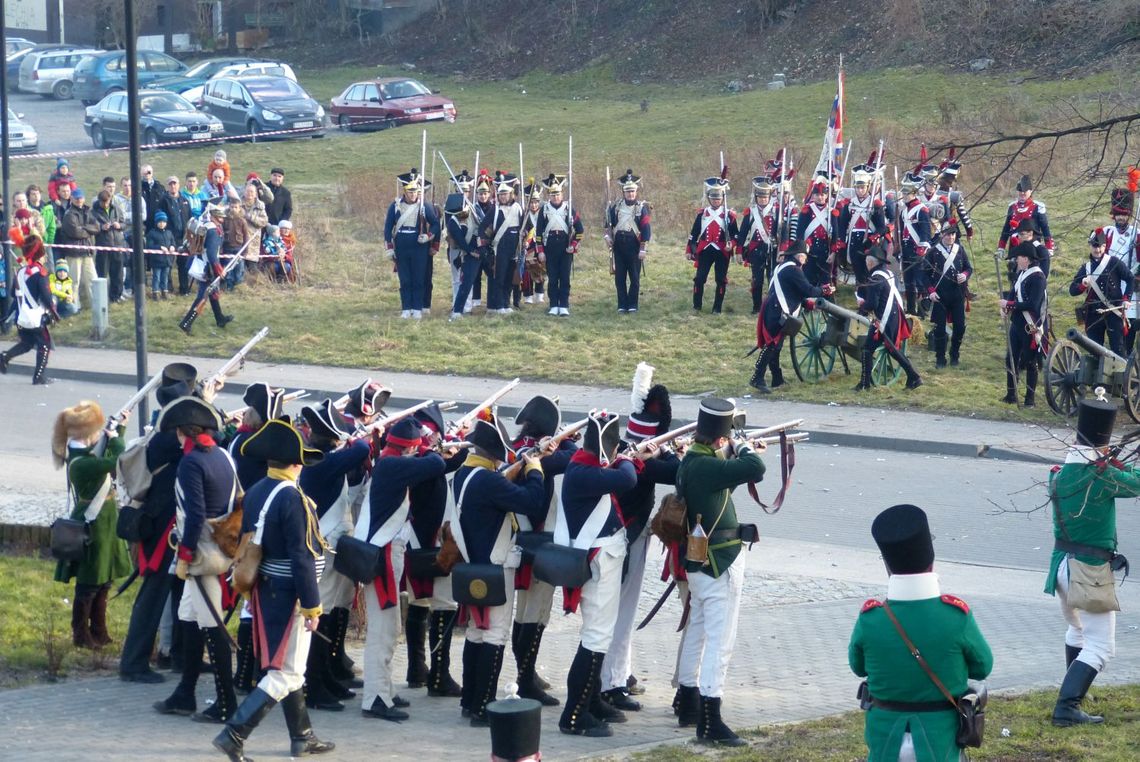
column 138, row 267
column 9, row 276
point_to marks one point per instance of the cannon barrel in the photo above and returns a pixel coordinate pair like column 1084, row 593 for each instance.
column 1090, row 346
column 831, row 308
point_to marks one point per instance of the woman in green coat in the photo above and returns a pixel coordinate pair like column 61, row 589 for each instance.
column 78, row 432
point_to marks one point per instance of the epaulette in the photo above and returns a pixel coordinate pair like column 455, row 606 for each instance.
column 1039, row 206
column 953, row 600
column 870, row 603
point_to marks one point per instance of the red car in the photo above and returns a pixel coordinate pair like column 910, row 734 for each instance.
column 382, row 103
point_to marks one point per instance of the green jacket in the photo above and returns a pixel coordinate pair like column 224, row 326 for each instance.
column 945, row 633
column 106, row 558
column 705, row 480
column 1085, row 495
column 48, row 214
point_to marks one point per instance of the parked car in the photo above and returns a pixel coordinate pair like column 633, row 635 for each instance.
column 164, row 117
column 383, row 103
column 22, row 137
column 16, row 44
column 197, row 74
column 13, row 63
column 50, row 71
column 247, row 69
column 104, row 73
column 252, row 105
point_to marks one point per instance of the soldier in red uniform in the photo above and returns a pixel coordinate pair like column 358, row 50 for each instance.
column 862, row 218
column 711, row 243
column 1024, row 208
column 1123, row 242
column 758, row 241
column 815, row 226
column 947, row 178
column 914, row 226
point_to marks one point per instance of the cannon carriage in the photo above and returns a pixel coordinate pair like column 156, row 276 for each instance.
column 1077, row 365
column 825, row 336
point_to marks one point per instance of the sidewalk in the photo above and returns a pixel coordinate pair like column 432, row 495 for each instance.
column 829, row 424
column 790, row 664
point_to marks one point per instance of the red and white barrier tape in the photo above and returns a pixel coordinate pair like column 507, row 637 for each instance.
column 128, row 249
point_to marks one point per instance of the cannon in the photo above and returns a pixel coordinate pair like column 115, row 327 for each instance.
column 826, row 336
column 1077, row 364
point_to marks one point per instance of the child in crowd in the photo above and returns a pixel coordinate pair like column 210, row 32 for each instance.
column 289, row 242
column 61, row 176
column 63, row 289
column 159, row 237
column 219, row 162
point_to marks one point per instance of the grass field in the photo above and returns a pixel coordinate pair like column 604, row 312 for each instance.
column 346, row 311
column 1031, row 736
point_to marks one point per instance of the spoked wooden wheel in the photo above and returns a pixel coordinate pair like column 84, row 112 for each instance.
column 884, row 370
column 811, row 358
column 1131, row 391
column 1063, row 387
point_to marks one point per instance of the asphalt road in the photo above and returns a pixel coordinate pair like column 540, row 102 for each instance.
column 59, row 123
column 835, row 494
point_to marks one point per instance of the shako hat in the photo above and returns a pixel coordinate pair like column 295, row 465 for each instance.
column 264, row 400
column 1098, row 238
column 1123, row 201
column 489, row 438
column 367, row 399
column 1025, row 184
column 903, row 536
column 715, row 417
column 505, row 182
column 602, row 436
column 188, row 411
column 651, row 412
column 629, row 181
column 554, row 183
column 715, row 187
column 180, row 371
column 431, row 416
column 533, row 190
column 950, row 227
column 911, row 182
column 1095, row 419
column 862, row 174
column 325, row 421
column 456, row 203
column 279, row 441
column 404, row 433
column 413, row 180
column 463, row 181
column 929, row 173
column 762, row 184
column 516, row 726
column 539, row 417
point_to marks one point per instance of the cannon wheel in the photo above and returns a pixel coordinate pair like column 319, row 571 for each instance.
column 884, row 370
column 811, row 359
column 1062, row 368
column 1131, row 390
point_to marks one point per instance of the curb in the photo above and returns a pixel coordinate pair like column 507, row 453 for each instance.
column 831, row 438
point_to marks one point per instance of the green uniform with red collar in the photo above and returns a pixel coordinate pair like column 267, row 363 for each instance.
column 706, row 480
column 945, row 633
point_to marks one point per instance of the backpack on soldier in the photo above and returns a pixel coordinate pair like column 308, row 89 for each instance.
column 133, row 480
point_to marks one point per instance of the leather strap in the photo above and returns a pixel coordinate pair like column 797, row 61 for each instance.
column 787, row 464
column 909, row 706
column 918, row 656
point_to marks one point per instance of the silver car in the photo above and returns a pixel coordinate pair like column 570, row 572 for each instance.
column 22, row 137
column 49, row 72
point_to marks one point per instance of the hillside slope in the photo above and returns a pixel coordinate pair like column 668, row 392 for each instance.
column 749, row 40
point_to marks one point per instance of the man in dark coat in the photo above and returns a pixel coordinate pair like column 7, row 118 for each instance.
column 889, row 326
column 1027, row 336
column 1106, row 283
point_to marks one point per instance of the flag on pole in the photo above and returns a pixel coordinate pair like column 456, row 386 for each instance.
column 832, row 153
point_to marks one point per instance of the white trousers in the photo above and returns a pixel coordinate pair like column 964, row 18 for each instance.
column 534, row 605
column 618, row 664
column 440, row 598
column 682, row 655
column 452, row 256
column 713, row 615
column 193, row 608
column 499, row 631
column 279, row 683
column 380, row 640
column 1094, row 634
column 600, row 597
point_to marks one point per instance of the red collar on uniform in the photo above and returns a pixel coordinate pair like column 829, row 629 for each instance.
column 586, row 458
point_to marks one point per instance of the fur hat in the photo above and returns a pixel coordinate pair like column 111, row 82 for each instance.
column 79, row 423
column 1025, row 184
column 650, row 410
column 1123, row 201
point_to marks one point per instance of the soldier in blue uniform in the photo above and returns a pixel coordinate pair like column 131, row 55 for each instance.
column 889, row 327
column 557, row 235
column 500, row 230
column 462, row 249
column 285, row 598
column 589, row 519
column 264, row 404
column 326, row 482
column 485, row 504
column 1026, row 304
column 948, row 276
column 399, row 468
column 788, row 293
column 909, row 717
column 1106, row 283
column 211, row 249
column 411, row 236
column 627, row 233
column 206, row 487
column 914, row 241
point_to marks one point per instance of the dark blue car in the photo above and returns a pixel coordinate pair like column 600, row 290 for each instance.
column 105, row 73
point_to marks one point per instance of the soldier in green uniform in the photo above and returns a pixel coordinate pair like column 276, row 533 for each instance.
column 77, row 444
column 705, row 480
column 909, row 718
column 1083, row 496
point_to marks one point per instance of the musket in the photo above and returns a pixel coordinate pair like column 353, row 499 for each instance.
column 290, row 397
column 471, row 205
column 1010, row 365
column 431, row 179
column 567, row 431
column 216, row 283
column 668, row 436
column 386, row 421
column 154, row 382
column 423, row 161
column 799, row 436
column 235, row 363
column 498, row 395
column 606, row 224
column 774, row 429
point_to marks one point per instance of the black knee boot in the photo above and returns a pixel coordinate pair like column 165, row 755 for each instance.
column 188, row 319
column 343, row 668
column 182, row 701
column 710, row 727
column 580, row 686
column 718, row 298
column 243, row 673
column 231, row 741
column 221, row 319
column 221, row 655
column 487, row 683
column 316, row 692
column 440, row 682
column 939, row 348
column 471, row 653
column 955, row 348
column 1077, row 681
column 302, row 739
column 866, row 359
column 527, row 657
column 1030, row 382
column 762, row 362
column 38, row 375
column 415, row 635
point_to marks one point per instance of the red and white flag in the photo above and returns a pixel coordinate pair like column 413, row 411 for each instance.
column 831, row 156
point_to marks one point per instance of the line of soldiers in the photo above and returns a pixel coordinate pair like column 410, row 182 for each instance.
column 410, row 485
